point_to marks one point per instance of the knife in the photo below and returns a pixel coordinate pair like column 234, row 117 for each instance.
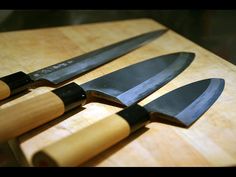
column 125, row 86
column 182, row 106
column 57, row 73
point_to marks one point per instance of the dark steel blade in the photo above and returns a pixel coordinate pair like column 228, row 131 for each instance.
column 67, row 69
column 186, row 104
column 133, row 83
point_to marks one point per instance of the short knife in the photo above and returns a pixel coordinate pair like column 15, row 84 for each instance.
column 182, row 106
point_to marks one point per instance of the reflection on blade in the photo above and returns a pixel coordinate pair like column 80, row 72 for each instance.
column 186, row 104
column 65, row 70
column 133, row 83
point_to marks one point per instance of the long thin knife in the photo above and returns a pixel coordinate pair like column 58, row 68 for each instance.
column 183, row 105
column 57, row 73
column 125, row 86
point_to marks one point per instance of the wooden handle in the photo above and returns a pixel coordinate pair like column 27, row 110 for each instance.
column 4, row 90
column 83, row 145
column 14, row 83
column 86, row 143
column 22, row 117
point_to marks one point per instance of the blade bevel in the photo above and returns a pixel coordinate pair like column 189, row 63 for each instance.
column 186, row 104
column 131, row 84
column 62, row 71
column 135, row 94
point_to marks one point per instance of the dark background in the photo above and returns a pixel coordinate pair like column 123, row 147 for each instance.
column 214, row 30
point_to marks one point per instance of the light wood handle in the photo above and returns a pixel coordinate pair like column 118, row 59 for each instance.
column 85, row 144
column 22, row 117
column 14, row 83
column 4, row 90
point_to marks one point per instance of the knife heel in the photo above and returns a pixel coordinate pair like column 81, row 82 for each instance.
column 24, row 116
column 92, row 140
column 13, row 84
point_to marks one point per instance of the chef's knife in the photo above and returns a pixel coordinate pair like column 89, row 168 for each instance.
column 183, row 105
column 57, row 73
column 125, row 86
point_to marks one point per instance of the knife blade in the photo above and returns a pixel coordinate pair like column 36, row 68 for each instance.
column 57, row 73
column 125, row 86
column 183, row 105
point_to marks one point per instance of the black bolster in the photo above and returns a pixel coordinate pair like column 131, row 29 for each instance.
column 72, row 95
column 17, row 82
column 136, row 116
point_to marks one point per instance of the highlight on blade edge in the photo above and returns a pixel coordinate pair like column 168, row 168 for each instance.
column 60, row 72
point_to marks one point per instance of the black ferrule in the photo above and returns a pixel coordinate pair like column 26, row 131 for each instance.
column 136, row 116
column 17, row 82
column 72, row 95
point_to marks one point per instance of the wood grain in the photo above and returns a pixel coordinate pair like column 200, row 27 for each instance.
column 26, row 115
column 211, row 141
column 84, row 144
column 4, row 90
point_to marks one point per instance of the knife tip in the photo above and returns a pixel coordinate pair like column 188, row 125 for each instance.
column 158, row 32
column 163, row 30
column 189, row 54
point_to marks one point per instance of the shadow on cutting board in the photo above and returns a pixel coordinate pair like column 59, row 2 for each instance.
column 52, row 123
column 14, row 97
column 44, row 127
column 7, row 158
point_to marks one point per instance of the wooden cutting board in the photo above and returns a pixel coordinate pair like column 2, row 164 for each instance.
column 211, row 141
